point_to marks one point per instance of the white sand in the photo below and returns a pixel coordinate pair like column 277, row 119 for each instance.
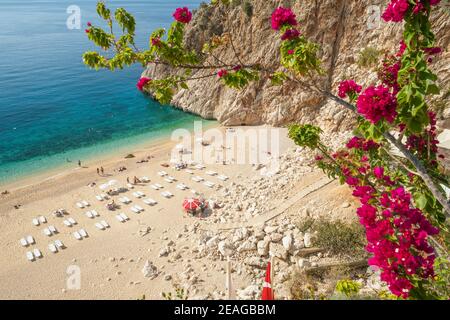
column 110, row 261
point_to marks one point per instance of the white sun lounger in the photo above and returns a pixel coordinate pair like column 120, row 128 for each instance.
column 211, row 173
column 222, row 177
column 104, row 223
column 141, row 193
column 119, row 217
column 59, row 244
column 52, row 248
column 136, row 195
column 89, row 214
column 37, row 253
column 154, row 187
column 196, row 179
column 171, row 178
column 145, row 179
column 85, row 203
column 47, row 232
column 83, row 233
column 80, row 205
column 30, row 256
column 77, row 235
column 209, row 184
column 24, row 242
column 67, row 223
column 52, row 229
column 30, row 240
column 139, row 208
column 200, row 167
column 72, row 220
column 168, row 180
column 181, row 187
column 189, row 171
column 95, row 213
column 130, row 186
column 100, row 226
column 99, row 198
column 150, row 202
column 165, row 194
column 42, row 219
column 135, row 210
column 159, row 186
column 124, row 216
column 162, row 173
column 35, row 222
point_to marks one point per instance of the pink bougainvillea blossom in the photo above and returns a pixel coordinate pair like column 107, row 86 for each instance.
column 142, row 83
column 222, row 73
column 377, row 103
column 348, row 88
column 182, row 15
column 283, row 16
column 395, row 11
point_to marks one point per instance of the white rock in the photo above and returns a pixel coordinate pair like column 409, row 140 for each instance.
column 303, row 263
column 246, row 246
column 287, row 242
column 277, row 250
column 307, row 240
column 149, row 270
column 263, row 247
column 225, row 248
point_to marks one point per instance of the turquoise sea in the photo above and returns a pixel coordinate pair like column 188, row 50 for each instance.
column 52, row 107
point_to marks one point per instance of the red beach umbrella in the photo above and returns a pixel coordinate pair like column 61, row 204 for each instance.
column 191, row 204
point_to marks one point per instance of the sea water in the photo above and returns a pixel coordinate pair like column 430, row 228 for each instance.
column 53, row 109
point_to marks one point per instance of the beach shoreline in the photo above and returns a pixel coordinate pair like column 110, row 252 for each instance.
column 94, row 160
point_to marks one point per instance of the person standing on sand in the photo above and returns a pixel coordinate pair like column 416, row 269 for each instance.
column 98, row 171
column 79, row 163
column 128, row 179
column 102, row 170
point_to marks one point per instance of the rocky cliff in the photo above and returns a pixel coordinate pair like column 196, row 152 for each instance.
column 342, row 28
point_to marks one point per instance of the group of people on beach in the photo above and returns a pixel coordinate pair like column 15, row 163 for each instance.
column 100, row 171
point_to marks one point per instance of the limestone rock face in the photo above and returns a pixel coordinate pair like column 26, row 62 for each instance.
column 341, row 28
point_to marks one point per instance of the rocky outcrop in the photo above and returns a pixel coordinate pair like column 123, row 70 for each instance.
column 341, row 28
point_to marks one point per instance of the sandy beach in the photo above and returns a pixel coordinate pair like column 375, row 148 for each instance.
column 110, row 261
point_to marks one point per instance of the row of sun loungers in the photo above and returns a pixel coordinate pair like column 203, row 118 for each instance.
column 137, row 209
column 80, row 234
column 167, row 194
column 182, row 186
column 57, row 244
column 92, row 214
column 150, row 202
column 83, row 204
column 51, row 230
column 125, row 200
column 102, row 225
column 35, row 254
column 101, row 197
column 122, row 217
column 162, row 173
column 156, row 186
column 170, row 179
column 27, row 241
column 70, row 222
column 37, row 221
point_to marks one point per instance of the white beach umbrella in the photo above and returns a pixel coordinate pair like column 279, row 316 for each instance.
column 104, row 186
column 112, row 182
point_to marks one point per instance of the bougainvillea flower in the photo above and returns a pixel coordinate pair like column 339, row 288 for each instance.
column 142, row 83
column 182, row 15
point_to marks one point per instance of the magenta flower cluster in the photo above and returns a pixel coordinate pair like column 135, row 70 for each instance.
column 182, row 15
column 362, row 144
column 221, row 73
column 397, row 236
column 348, row 88
column 290, row 34
column 283, row 16
column 377, row 103
column 142, row 83
column 397, row 9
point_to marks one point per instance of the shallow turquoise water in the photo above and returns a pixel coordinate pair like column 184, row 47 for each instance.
column 54, row 108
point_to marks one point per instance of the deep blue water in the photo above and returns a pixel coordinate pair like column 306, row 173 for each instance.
column 52, row 107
